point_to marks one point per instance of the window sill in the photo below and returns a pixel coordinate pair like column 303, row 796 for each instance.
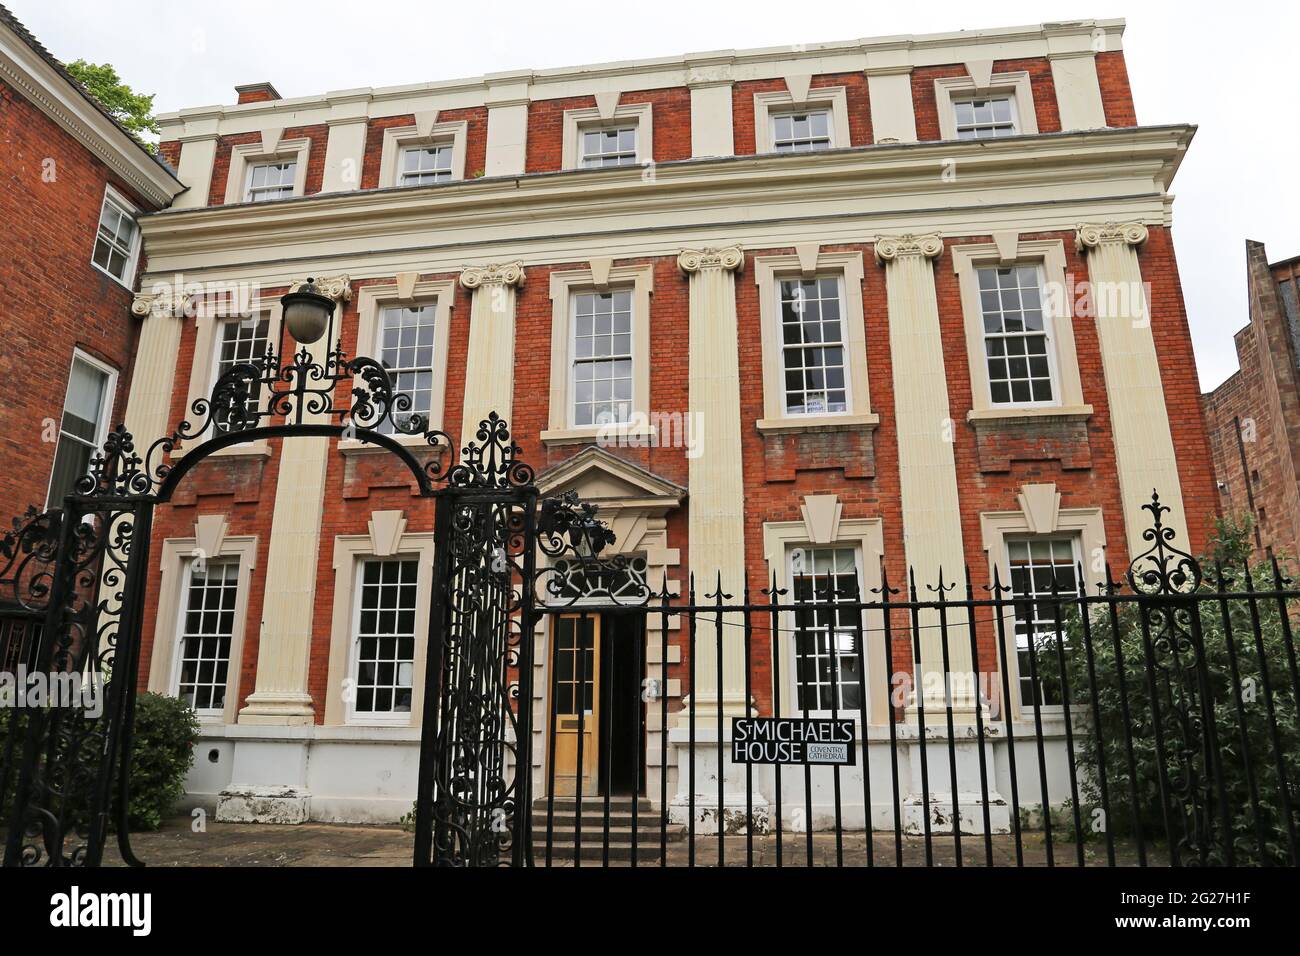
column 258, row 448
column 819, row 423
column 1030, row 413
column 354, row 446
column 612, row 434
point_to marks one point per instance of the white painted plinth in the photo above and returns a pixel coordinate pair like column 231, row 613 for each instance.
column 735, row 804
column 263, row 804
column 933, row 797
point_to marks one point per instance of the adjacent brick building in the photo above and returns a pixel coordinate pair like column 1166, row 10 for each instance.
column 899, row 303
column 1253, row 417
column 72, row 182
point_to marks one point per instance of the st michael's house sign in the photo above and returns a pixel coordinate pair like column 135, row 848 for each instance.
column 798, row 740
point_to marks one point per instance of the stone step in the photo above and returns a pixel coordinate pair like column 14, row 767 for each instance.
column 563, row 851
column 592, row 800
column 596, row 818
column 647, row 834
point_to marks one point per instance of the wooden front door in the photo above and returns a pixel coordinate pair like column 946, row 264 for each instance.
column 576, row 711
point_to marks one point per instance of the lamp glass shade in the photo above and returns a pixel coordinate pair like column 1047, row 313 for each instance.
column 307, row 313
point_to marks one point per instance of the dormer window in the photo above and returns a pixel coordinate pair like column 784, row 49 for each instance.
column 802, row 131
column 422, row 165
column 985, row 117
column 268, row 181
column 611, row 146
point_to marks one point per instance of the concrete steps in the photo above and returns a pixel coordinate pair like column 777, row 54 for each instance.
column 564, row 830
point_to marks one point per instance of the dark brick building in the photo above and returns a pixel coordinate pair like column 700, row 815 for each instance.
column 1254, row 416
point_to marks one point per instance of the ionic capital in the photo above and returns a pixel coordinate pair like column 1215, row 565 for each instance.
column 505, row 274
column 728, row 258
column 891, row 248
column 1092, row 235
column 338, row 288
column 170, row 303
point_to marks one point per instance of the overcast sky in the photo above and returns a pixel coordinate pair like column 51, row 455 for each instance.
column 1229, row 68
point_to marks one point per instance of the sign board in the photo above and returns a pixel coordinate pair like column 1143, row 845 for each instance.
column 798, row 740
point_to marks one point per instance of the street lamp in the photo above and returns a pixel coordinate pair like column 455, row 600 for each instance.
column 307, row 312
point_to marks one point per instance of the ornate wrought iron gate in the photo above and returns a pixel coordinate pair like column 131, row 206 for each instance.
column 74, row 577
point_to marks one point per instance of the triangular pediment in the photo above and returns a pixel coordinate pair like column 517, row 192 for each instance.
column 601, row 477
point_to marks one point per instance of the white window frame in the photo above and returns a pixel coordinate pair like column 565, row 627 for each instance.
column 823, row 525
column 629, row 158
column 1039, row 514
column 177, row 553
column 219, row 331
column 575, row 360
column 1048, row 334
column 576, row 122
column 398, row 139
column 1058, row 320
column 381, row 719
column 407, row 291
column 388, row 538
column 248, row 155
column 105, row 415
column 843, row 346
column 791, row 632
column 123, row 205
column 203, row 369
column 268, row 164
column 1076, row 550
column 182, row 607
column 972, row 97
column 435, row 382
column 948, row 89
column 833, row 98
column 602, row 278
column 774, row 116
column 810, row 263
column 440, row 174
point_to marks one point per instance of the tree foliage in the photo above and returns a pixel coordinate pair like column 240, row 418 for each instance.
column 1249, row 660
column 133, row 110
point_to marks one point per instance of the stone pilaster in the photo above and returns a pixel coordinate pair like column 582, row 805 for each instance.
column 490, row 366
column 280, row 695
column 717, row 491
column 927, row 469
column 1139, row 420
column 149, row 404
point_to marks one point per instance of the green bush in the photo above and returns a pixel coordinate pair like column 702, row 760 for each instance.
column 1241, row 718
column 166, row 732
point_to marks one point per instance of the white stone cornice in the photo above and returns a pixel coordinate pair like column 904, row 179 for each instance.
column 338, row 288
column 1092, row 235
column 1048, row 183
column 697, row 260
column 37, row 80
column 173, row 303
column 506, row 274
column 889, row 248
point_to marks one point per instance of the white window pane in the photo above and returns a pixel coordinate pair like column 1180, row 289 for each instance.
column 86, row 391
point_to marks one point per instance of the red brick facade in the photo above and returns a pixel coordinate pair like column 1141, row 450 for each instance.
column 993, row 462
column 54, row 299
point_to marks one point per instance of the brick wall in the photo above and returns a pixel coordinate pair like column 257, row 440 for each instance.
column 52, row 299
column 1116, row 96
column 1040, row 81
column 318, row 135
column 742, row 108
column 1252, row 419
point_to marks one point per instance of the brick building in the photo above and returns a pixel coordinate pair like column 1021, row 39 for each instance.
column 72, row 182
column 1253, row 417
column 888, row 303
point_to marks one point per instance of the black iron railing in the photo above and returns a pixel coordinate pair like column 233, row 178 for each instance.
column 1145, row 720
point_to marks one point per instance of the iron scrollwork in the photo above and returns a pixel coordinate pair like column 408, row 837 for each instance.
column 1165, row 579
